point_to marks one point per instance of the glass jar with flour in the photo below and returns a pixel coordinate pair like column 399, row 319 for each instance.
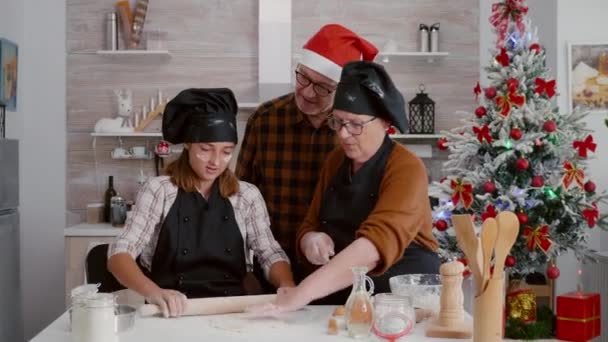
column 93, row 318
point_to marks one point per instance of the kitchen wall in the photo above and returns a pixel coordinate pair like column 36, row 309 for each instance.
column 214, row 43
column 39, row 124
column 579, row 22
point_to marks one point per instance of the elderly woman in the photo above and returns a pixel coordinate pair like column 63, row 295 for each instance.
column 371, row 206
column 193, row 229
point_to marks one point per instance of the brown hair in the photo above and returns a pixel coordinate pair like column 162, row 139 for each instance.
column 185, row 178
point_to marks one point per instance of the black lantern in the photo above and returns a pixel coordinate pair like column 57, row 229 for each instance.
column 422, row 113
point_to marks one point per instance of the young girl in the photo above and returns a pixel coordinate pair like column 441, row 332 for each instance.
column 193, row 229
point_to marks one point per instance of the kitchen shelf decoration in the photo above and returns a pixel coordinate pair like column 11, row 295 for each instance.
column 422, row 113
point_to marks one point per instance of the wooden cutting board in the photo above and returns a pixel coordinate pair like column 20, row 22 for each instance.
column 212, row 306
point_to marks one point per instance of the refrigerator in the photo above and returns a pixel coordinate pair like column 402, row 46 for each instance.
column 11, row 324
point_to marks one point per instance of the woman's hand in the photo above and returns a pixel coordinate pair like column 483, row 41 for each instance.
column 318, row 247
column 172, row 303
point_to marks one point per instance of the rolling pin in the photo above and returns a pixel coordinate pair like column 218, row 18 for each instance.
column 212, row 306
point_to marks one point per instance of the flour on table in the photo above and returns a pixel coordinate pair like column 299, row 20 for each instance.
column 246, row 323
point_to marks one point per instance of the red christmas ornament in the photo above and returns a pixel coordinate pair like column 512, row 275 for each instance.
column 550, row 126
column 480, row 111
column 537, row 181
column 590, row 186
column 552, row 272
column 510, row 261
column 489, row 187
column 522, row 217
column 441, row 144
column 535, row 47
column 441, row 225
column 490, row 92
column 522, row 164
column 516, row 133
column 162, row 148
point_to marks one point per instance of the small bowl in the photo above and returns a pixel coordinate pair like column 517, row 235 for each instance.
column 125, row 317
column 424, row 289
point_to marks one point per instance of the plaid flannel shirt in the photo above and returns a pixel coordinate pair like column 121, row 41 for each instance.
column 282, row 154
column 154, row 200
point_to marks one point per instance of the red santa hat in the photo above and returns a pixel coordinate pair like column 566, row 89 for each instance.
column 334, row 46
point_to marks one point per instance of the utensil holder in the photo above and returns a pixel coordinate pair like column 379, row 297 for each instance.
column 488, row 312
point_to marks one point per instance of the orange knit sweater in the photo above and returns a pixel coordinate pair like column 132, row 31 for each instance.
column 401, row 216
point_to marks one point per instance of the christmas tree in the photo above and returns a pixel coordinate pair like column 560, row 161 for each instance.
column 518, row 152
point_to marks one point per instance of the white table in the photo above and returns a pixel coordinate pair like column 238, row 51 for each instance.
column 310, row 324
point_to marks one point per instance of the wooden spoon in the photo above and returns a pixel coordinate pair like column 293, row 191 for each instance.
column 489, row 232
column 465, row 235
column 508, row 230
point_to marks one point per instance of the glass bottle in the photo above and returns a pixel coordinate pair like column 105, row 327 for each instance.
column 359, row 308
column 110, row 192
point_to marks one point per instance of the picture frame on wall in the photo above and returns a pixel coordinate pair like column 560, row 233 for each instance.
column 588, row 76
column 9, row 55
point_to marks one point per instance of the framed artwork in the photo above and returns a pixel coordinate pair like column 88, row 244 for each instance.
column 588, row 76
column 8, row 74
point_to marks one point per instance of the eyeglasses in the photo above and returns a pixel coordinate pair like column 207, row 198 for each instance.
column 320, row 90
column 353, row 128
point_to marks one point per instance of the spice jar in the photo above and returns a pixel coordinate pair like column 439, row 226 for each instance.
column 394, row 317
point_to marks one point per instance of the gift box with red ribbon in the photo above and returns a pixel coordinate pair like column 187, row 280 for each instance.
column 578, row 316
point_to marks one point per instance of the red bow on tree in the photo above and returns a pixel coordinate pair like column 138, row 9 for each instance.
column 467, row 270
column 483, row 133
column 477, row 90
column 572, row 173
column 585, row 145
column 502, row 13
column 538, row 237
column 462, row 191
column 490, row 212
column 506, row 101
column 543, row 86
column 591, row 215
column 503, row 58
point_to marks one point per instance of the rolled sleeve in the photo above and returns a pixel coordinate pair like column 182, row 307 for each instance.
column 398, row 216
column 144, row 219
column 259, row 235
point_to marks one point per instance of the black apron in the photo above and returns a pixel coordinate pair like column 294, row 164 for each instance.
column 200, row 248
column 348, row 201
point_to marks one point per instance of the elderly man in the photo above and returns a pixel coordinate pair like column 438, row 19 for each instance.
column 287, row 139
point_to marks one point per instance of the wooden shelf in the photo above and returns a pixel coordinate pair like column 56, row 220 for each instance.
column 248, row 105
column 385, row 57
column 133, row 53
column 416, row 136
column 129, row 134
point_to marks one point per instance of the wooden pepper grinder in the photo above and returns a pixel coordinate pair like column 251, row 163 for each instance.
column 450, row 321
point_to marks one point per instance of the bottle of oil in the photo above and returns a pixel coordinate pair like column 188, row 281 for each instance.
column 359, row 308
